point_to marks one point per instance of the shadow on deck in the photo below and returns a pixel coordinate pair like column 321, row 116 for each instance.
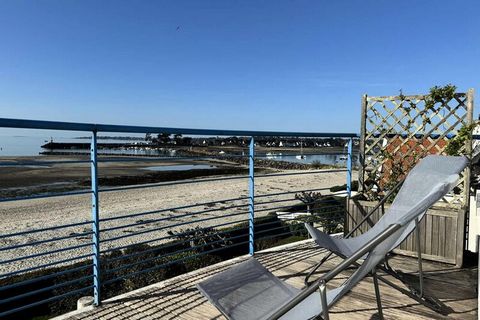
column 178, row 298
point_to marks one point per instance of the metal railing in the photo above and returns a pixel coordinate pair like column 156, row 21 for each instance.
column 97, row 255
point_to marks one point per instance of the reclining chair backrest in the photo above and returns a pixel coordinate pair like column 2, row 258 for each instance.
column 428, row 182
column 415, row 191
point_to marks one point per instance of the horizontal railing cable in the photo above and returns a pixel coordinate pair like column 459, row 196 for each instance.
column 44, row 277
column 299, row 173
column 56, row 286
column 48, row 195
column 71, row 225
column 33, row 243
column 171, row 236
column 172, row 218
column 172, row 208
column 169, row 226
column 170, row 263
column 31, row 305
column 143, row 261
column 36, row 255
column 164, row 184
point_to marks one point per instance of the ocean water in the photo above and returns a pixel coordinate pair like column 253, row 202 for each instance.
column 24, row 145
column 333, row 159
column 21, row 145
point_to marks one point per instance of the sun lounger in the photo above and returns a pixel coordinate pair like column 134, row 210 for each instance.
column 250, row 291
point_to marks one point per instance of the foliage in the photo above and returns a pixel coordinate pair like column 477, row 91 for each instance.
column 317, row 164
column 330, row 215
column 203, row 239
column 263, row 244
column 455, row 145
column 437, row 94
column 440, row 94
column 163, row 138
column 308, row 198
column 327, row 211
column 399, row 166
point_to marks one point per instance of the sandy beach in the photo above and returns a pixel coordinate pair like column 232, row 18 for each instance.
column 48, row 212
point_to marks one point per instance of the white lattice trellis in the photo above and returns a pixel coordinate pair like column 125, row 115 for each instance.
column 397, row 131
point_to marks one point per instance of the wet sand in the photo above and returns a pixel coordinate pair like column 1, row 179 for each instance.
column 38, row 176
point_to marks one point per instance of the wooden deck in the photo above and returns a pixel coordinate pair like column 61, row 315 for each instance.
column 177, row 298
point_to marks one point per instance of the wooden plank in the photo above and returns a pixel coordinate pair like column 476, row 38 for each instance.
column 434, row 235
column 435, row 240
column 441, row 236
column 468, row 143
column 450, row 224
column 361, row 153
column 429, row 257
column 428, row 234
column 460, row 236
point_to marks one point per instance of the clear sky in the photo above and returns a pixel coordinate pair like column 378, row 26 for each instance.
column 263, row 65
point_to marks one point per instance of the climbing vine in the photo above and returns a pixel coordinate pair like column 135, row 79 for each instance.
column 455, row 145
column 439, row 94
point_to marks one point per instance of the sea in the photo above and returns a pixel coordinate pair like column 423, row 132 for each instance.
column 25, row 145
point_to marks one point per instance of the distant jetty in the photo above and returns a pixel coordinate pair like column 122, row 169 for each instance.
column 83, row 146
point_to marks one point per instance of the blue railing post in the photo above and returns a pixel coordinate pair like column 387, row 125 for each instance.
column 251, row 192
column 95, row 219
column 349, row 168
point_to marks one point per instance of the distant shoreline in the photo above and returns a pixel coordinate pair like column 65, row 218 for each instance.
column 26, row 180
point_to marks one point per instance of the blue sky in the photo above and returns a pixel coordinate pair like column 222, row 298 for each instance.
column 263, row 65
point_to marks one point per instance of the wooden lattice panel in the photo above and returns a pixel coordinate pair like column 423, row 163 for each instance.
column 397, row 131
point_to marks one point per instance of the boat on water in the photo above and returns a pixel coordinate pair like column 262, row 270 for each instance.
column 301, row 156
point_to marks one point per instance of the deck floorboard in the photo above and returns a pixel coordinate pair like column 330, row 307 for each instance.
column 178, row 298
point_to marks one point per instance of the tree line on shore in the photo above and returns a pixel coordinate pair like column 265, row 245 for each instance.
column 287, row 142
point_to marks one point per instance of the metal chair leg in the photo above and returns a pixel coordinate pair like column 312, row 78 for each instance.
column 419, row 253
column 377, row 294
column 420, row 292
column 323, row 299
column 386, row 262
column 434, row 304
column 315, row 268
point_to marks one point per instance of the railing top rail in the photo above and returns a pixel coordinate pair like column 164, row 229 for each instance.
column 75, row 126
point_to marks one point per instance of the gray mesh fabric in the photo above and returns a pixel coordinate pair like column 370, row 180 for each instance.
column 432, row 171
column 427, row 183
column 249, row 291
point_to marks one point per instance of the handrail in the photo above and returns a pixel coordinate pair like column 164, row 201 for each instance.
column 77, row 126
column 335, row 271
